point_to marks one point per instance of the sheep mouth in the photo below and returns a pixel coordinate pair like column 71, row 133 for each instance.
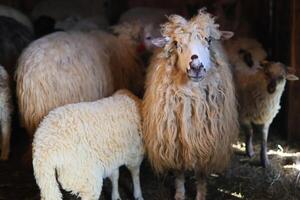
column 196, row 78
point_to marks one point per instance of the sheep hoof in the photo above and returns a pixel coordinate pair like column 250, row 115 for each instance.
column 250, row 153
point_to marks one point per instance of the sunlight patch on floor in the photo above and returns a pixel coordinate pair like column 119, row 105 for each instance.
column 234, row 194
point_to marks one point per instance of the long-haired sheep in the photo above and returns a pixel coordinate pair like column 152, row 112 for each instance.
column 16, row 15
column 71, row 67
column 5, row 113
column 259, row 96
column 86, row 142
column 189, row 110
column 14, row 37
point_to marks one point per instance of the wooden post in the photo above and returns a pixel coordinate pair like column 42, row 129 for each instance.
column 294, row 87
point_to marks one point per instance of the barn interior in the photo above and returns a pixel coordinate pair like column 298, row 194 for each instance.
column 274, row 23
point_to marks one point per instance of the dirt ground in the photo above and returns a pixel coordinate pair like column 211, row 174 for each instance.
column 245, row 179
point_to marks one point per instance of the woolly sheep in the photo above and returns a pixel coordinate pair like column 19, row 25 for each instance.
column 5, row 113
column 259, row 96
column 71, row 67
column 17, row 15
column 245, row 54
column 86, row 142
column 189, row 109
column 14, row 37
column 149, row 19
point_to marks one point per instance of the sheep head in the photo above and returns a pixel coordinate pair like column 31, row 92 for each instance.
column 276, row 73
column 187, row 44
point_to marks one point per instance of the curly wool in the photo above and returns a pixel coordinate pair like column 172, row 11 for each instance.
column 84, row 143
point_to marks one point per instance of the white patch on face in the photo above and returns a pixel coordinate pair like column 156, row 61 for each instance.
column 203, row 53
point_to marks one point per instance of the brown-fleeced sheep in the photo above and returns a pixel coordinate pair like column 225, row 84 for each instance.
column 71, row 67
column 189, row 109
column 259, row 95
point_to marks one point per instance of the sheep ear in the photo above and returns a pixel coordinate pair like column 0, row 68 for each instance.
column 160, row 41
column 225, row 35
column 291, row 74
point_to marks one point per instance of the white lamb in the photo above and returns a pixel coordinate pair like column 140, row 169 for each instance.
column 17, row 15
column 86, row 142
column 5, row 113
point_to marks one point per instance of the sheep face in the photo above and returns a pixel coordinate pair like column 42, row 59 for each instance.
column 276, row 73
column 187, row 44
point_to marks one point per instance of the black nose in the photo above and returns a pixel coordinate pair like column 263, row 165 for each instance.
column 193, row 57
column 197, row 67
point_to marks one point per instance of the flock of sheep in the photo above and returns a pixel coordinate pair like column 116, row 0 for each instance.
column 91, row 100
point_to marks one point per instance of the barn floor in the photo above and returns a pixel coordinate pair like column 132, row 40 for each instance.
column 245, row 179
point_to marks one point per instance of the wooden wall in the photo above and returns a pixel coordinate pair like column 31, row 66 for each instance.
column 294, row 88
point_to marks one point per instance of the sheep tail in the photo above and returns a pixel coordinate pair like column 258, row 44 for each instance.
column 45, row 176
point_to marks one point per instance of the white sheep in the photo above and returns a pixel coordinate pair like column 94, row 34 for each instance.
column 5, row 113
column 17, row 15
column 86, row 142
column 259, row 96
column 71, row 67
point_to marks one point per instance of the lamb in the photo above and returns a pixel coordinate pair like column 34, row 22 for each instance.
column 189, row 109
column 14, row 37
column 259, row 96
column 6, row 109
column 71, row 67
column 86, row 142
column 17, row 15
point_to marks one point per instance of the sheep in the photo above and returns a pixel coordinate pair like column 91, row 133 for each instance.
column 6, row 109
column 71, row 67
column 14, row 37
column 189, row 108
column 245, row 54
column 259, row 96
column 149, row 19
column 85, row 142
column 17, row 15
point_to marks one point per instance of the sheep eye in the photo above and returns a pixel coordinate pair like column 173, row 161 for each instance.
column 148, row 38
column 208, row 40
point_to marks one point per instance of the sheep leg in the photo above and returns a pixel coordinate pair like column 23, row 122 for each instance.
column 263, row 130
column 6, row 132
column 114, row 178
column 201, row 186
column 247, row 128
column 179, row 184
column 135, row 174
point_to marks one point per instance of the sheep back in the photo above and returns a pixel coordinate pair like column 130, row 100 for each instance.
column 73, row 139
column 71, row 67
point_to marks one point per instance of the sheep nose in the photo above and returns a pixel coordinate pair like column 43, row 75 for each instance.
column 197, row 68
column 193, row 57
